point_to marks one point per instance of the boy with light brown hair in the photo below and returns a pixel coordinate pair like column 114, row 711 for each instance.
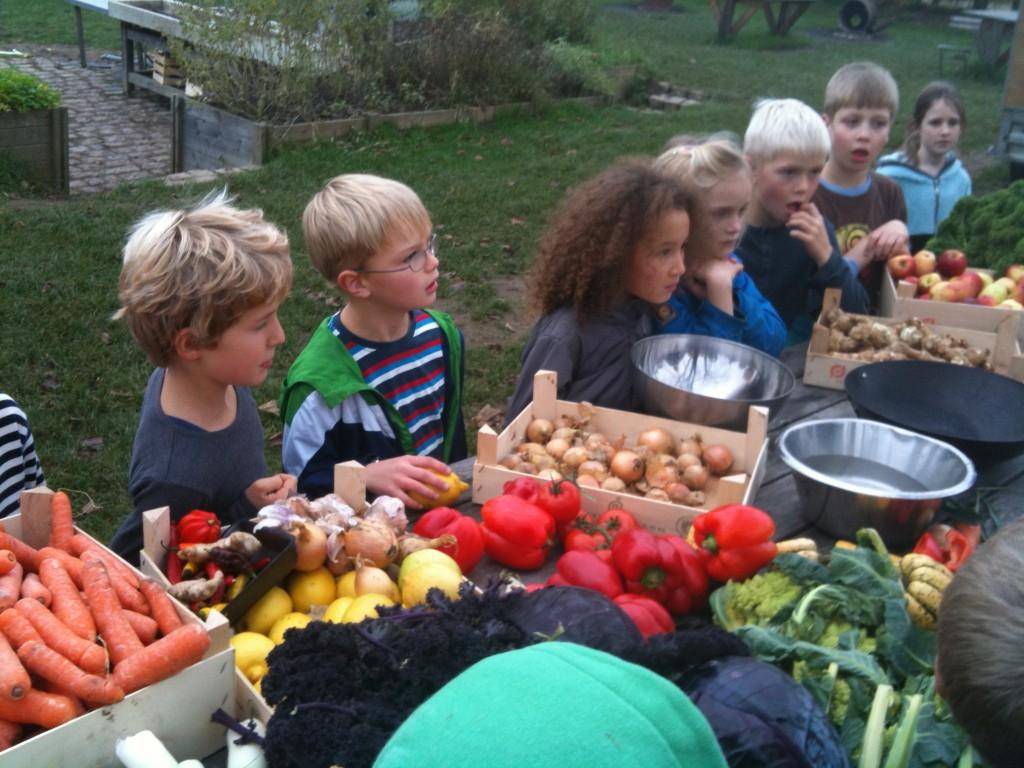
column 866, row 208
column 979, row 670
column 379, row 382
column 199, row 291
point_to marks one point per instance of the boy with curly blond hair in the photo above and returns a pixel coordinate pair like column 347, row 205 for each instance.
column 379, row 382
column 199, row 291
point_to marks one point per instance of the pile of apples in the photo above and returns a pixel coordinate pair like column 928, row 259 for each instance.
column 946, row 278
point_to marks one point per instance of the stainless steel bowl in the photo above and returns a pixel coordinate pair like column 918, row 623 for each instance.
column 856, row 473
column 704, row 380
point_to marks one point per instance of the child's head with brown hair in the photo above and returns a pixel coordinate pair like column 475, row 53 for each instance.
column 717, row 177
column 936, row 123
column 861, row 85
column 619, row 234
column 980, row 665
column 199, row 270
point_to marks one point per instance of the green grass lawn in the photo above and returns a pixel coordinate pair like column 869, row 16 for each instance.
column 53, row 22
column 490, row 189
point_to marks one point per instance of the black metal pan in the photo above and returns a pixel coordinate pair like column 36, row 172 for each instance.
column 980, row 412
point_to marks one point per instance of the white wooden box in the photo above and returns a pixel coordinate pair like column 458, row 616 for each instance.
column 749, row 451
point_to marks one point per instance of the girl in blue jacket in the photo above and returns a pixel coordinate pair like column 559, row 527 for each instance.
column 715, row 297
column 927, row 168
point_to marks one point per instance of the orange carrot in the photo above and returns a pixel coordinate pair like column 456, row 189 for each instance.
column 165, row 657
column 117, row 633
column 56, row 634
column 162, row 607
column 16, row 628
column 10, row 587
column 32, row 587
column 127, row 595
column 71, row 563
column 51, row 666
column 9, row 733
column 81, row 544
column 145, row 627
column 7, row 561
column 27, row 556
column 62, row 526
column 38, row 708
column 66, row 601
column 14, row 680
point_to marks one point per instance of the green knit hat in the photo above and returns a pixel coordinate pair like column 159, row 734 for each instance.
column 554, row 704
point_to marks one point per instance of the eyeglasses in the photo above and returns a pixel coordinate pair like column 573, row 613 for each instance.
column 414, row 262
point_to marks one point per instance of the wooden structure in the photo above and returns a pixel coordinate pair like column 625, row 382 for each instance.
column 781, row 15
column 37, row 144
column 99, row 6
column 994, row 35
column 1011, row 126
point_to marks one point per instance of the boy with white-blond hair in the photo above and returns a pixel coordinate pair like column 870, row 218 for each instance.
column 199, row 290
column 788, row 248
column 866, row 208
column 379, row 382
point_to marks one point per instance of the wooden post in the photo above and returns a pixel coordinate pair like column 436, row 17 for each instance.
column 80, row 34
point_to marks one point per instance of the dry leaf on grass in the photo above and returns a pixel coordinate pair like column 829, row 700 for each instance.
column 271, row 407
column 490, row 415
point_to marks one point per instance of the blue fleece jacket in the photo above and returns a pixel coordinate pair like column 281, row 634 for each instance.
column 929, row 198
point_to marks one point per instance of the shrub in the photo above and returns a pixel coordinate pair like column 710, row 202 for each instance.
column 20, row 92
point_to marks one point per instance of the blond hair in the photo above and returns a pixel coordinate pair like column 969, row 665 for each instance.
column 981, row 647
column 353, row 217
column 199, row 269
column 785, row 126
column 699, row 166
column 862, row 85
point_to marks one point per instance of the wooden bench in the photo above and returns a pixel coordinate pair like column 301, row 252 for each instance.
column 781, row 15
column 100, row 6
column 964, row 23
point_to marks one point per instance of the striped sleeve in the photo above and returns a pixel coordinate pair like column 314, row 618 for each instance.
column 19, row 465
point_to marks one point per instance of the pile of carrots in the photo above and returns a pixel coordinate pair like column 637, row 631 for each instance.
column 79, row 629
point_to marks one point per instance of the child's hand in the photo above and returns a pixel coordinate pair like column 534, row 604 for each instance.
column 808, row 226
column 402, row 474
column 713, row 282
column 267, row 490
column 888, row 240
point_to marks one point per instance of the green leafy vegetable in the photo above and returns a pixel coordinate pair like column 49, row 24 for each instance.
column 989, row 229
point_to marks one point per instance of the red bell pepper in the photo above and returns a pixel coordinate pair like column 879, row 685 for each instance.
column 516, row 533
column 469, row 546
column 587, row 570
column 524, row 487
column 650, row 617
column 948, row 545
column 694, row 593
column 199, row 527
column 651, row 566
column 560, row 499
column 735, row 541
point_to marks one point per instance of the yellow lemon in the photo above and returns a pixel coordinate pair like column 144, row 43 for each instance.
column 251, row 649
column 286, row 622
column 268, row 609
column 375, row 581
column 447, row 497
column 336, row 610
column 347, row 585
column 423, row 557
column 365, row 607
column 311, row 588
column 419, row 581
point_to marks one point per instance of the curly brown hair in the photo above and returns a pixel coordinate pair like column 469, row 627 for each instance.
column 584, row 256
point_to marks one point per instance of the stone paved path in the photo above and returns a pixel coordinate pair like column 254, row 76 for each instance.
column 113, row 138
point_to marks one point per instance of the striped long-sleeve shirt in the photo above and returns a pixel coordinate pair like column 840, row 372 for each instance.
column 19, row 465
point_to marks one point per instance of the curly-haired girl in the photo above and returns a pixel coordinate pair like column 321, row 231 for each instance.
column 613, row 253
column 716, row 298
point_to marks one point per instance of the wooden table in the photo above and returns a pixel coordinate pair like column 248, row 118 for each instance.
column 781, row 15
column 992, row 40
column 100, row 6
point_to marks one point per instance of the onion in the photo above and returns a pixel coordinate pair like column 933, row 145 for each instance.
column 613, row 484
column 557, row 447
column 595, row 441
column 695, row 477
column 543, row 461
column 661, row 470
column 657, row 439
column 718, row 459
column 564, row 433
column 696, row 499
column 594, row 468
column 692, row 445
column 525, row 449
column 527, row 467
column 587, row 480
column 539, row 431
column 310, row 546
column 574, row 456
column 564, row 422
column 549, row 474
column 627, row 466
column 657, row 494
column 511, row 461
column 372, row 542
column 688, row 460
column 677, row 492
column 412, row 543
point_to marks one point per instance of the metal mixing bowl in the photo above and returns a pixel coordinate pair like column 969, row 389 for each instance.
column 704, row 380
column 857, row 473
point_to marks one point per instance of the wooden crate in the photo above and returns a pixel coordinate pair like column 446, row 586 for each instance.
column 177, row 709
column 824, row 369
column 749, row 450
column 897, row 300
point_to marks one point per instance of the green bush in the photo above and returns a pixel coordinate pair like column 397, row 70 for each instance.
column 20, row 92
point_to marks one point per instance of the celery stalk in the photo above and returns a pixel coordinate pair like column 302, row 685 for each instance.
column 903, row 744
column 874, row 732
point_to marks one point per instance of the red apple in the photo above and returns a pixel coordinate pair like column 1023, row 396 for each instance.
column 912, row 279
column 986, row 279
column 951, row 263
column 971, row 283
column 1011, row 304
column 1017, row 294
column 926, row 281
column 1015, row 272
column 924, row 262
column 901, row 266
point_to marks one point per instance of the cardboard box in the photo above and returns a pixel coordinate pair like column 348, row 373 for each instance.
column 749, row 450
column 177, row 709
column 825, row 369
column 896, row 300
